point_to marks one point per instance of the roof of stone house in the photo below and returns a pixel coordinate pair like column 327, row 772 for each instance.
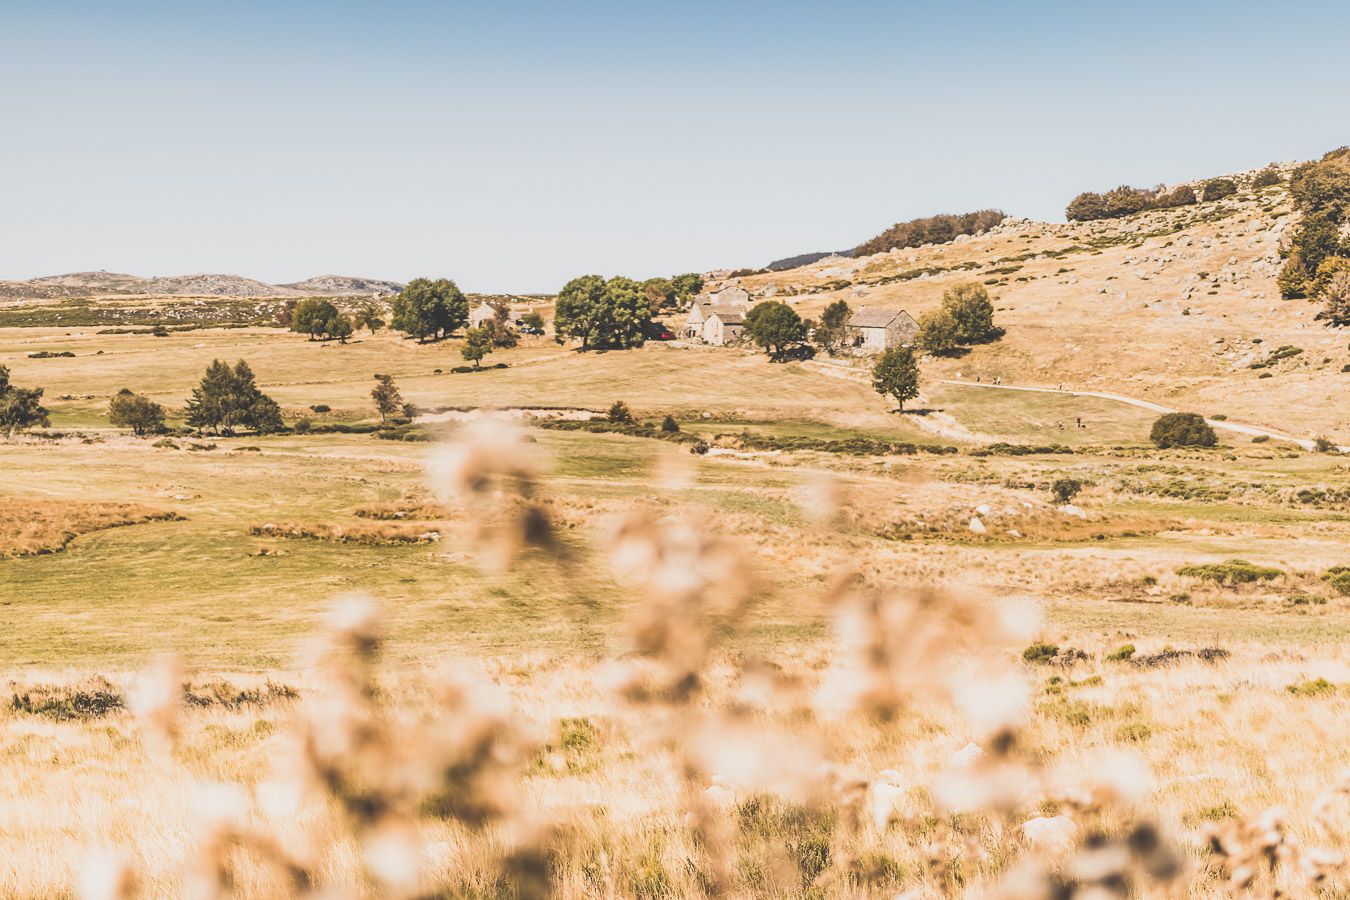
column 729, row 315
column 874, row 318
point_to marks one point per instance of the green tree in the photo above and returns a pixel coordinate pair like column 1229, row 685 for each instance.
column 1317, row 239
column 388, row 400
column 1182, row 430
column 832, row 332
column 619, row 414
column 430, row 309
column 477, row 344
column 628, row 316
column 660, row 293
column 137, row 412
column 896, row 374
column 602, row 314
column 499, row 326
column 687, row 287
column 1086, row 207
column 972, row 310
column 775, row 326
column 938, row 333
column 533, row 319
column 317, row 317
column 1331, row 288
column 229, row 398
column 580, row 308
column 369, row 316
column 20, row 408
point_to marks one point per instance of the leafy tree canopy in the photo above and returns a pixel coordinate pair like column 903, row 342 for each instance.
column 896, row 374
column 775, row 326
column 20, row 408
column 137, row 412
column 430, row 309
column 228, row 399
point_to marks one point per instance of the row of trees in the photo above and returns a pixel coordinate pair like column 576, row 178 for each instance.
column 1126, row 200
column 321, row 319
column 228, row 399
column 938, row 229
column 1317, row 261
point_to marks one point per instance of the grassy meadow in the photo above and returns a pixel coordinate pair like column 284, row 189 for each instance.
column 668, row 659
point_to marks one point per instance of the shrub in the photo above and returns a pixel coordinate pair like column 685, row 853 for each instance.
column 669, row 425
column 619, row 414
column 1182, row 430
column 1040, row 653
column 1266, row 177
column 1314, row 687
column 1338, row 579
column 321, row 408
column 139, row 413
column 1217, row 189
column 700, row 448
column 1133, row 733
column 1234, row 571
column 1261, row 439
column 1122, row 653
column 1065, row 489
column 1324, row 444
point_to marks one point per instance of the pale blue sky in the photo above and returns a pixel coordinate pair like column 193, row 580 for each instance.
column 513, row 145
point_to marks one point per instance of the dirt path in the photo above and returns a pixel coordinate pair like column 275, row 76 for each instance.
column 1238, row 428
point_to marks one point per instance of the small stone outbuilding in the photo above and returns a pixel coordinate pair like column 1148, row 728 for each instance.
column 875, row 330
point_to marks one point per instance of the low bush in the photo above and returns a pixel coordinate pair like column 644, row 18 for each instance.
column 1065, row 489
column 1338, row 579
column 1313, row 687
column 1234, row 571
column 1040, row 653
column 1122, row 653
column 1170, row 656
column 1182, row 430
column 1218, row 189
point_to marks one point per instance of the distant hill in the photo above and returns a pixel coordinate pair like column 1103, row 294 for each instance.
column 803, row 259
column 94, row 284
column 345, row 285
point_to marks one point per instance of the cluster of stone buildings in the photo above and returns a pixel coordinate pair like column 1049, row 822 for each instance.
column 719, row 318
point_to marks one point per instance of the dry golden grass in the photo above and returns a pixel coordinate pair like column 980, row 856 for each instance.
column 914, row 751
column 353, row 533
column 30, row 527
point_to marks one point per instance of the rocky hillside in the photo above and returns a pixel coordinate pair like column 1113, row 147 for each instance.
column 111, row 284
column 1178, row 306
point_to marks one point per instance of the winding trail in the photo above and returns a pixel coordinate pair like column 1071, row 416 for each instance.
column 1252, row 430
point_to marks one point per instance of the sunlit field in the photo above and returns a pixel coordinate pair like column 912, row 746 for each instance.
column 843, row 652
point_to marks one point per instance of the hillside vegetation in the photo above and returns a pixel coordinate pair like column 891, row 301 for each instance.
column 1180, row 306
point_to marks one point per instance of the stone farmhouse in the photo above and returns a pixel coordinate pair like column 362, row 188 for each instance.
column 875, row 330
column 717, row 318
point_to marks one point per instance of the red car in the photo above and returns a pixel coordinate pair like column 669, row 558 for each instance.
column 660, row 334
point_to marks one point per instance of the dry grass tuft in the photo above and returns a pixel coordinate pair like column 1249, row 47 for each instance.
column 32, row 527
column 360, row 533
